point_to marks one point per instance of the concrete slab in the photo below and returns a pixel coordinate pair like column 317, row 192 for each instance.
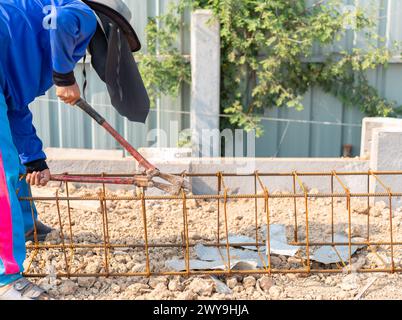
column 242, row 166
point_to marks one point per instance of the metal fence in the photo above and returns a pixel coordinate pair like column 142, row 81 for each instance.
column 319, row 131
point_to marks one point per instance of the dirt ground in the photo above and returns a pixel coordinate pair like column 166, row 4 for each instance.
column 165, row 225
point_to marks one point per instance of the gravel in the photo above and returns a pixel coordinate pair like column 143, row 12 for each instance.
column 165, row 225
column 231, row 282
column 249, row 282
column 265, row 283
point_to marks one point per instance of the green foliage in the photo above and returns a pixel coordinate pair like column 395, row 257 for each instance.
column 269, row 50
column 163, row 67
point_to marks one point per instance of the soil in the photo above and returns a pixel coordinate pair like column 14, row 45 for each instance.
column 165, row 225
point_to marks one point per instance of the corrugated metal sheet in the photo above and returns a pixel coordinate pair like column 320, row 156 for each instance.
column 318, row 131
column 325, row 125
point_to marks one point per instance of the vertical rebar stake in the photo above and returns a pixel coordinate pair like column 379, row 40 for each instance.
column 62, row 235
column 267, row 212
column 33, row 217
column 295, row 208
column 36, row 242
column 186, row 233
column 332, row 208
column 307, row 232
column 144, row 218
column 391, row 231
column 106, row 216
column 227, row 230
column 368, row 207
column 70, row 224
column 255, row 209
column 103, row 209
column 219, row 175
column 349, row 208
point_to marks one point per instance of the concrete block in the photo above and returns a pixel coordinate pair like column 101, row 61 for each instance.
column 369, row 124
column 386, row 155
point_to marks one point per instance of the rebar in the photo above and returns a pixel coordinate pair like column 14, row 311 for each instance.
column 302, row 224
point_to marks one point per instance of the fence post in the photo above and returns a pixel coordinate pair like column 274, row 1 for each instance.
column 205, row 63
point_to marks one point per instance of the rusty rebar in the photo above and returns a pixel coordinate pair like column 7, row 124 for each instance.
column 226, row 202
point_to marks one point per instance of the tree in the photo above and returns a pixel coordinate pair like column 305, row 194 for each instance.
column 268, row 56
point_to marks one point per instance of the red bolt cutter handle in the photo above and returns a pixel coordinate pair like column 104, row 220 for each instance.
column 87, row 108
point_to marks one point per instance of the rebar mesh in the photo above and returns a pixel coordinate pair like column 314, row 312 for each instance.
column 303, row 230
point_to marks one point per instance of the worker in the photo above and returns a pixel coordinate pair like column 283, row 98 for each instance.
column 41, row 42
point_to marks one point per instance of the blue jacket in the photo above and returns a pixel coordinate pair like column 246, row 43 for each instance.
column 37, row 38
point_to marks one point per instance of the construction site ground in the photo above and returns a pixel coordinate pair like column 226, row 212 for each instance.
column 165, row 224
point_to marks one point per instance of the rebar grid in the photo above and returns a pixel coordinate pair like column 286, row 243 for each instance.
column 301, row 224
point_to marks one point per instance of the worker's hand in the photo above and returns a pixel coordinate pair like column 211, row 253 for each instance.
column 38, row 178
column 69, row 95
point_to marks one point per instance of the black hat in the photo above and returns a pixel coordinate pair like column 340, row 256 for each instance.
column 111, row 52
column 118, row 12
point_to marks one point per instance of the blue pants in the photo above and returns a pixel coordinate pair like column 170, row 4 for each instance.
column 15, row 217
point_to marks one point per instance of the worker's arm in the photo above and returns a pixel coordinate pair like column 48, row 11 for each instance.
column 29, row 146
column 70, row 35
